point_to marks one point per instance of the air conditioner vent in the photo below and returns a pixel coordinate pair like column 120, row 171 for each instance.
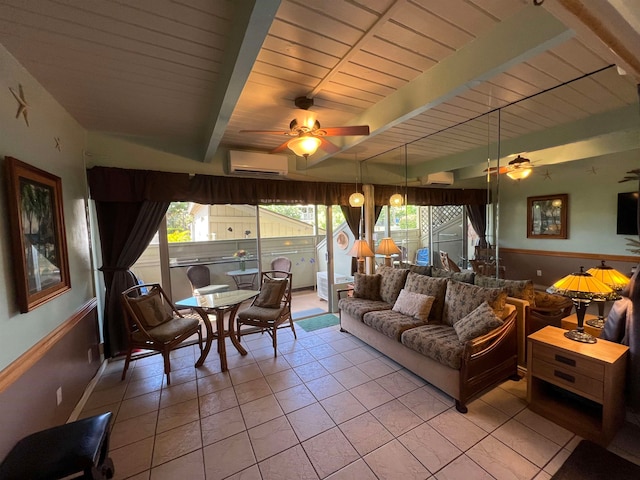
column 257, row 164
column 439, row 178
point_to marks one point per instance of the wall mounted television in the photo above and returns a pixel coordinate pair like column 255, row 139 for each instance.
column 627, row 214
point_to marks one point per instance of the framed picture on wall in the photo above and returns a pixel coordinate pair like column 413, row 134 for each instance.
column 547, row 216
column 38, row 238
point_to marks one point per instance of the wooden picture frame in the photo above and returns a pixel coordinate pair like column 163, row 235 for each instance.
column 38, row 238
column 547, row 216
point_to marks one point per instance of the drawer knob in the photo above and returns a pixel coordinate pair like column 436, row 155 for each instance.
column 564, row 376
column 567, row 361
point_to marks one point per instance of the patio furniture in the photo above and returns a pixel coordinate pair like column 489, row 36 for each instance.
column 154, row 323
column 271, row 309
column 200, row 278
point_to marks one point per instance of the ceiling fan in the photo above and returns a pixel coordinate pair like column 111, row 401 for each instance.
column 307, row 132
column 517, row 169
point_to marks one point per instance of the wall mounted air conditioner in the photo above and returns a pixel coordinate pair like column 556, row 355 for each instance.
column 257, row 164
column 439, row 178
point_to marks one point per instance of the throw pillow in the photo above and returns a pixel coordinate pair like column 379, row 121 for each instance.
column 522, row 289
column 150, row 309
column 414, row 305
column 367, row 286
column 271, row 293
column 436, row 287
column 462, row 298
column 392, row 281
column 477, row 323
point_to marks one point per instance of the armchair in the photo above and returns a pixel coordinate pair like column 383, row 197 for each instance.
column 270, row 310
column 153, row 323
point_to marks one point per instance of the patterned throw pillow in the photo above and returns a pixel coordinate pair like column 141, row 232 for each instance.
column 477, row 323
column 367, row 286
column 150, row 309
column 414, row 305
column 462, row 298
column 436, row 287
column 271, row 293
column 392, row 281
column 522, row 289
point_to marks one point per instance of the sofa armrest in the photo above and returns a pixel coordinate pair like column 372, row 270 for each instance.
column 343, row 292
column 523, row 312
column 477, row 346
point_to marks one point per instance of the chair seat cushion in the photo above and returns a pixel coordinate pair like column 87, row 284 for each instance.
column 357, row 307
column 169, row 330
column 260, row 314
column 391, row 323
column 271, row 293
column 439, row 342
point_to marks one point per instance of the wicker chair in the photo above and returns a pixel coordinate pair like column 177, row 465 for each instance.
column 270, row 310
column 154, row 323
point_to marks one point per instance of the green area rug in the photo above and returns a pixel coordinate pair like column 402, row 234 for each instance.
column 316, row 323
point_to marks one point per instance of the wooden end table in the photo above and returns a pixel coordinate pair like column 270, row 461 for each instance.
column 579, row 386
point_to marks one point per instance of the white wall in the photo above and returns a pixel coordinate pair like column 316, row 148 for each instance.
column 35, row 145
column 593, row 200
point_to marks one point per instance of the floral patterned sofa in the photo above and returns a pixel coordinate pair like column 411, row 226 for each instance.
column 457, row 336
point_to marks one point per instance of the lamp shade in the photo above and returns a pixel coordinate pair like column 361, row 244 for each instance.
column 387, row 247
column 304, row 145
column 356, row 199
column 519, row 173
column 583, row 286
column 609, row 276
column 361, row 249
column 396, row 200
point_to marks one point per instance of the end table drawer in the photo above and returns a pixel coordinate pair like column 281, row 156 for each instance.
column 569, row 379
column 575, row 363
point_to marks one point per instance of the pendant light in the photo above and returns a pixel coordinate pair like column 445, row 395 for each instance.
column 356, row 199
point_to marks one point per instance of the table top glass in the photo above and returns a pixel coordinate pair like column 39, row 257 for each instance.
column 217, row 300
column 247, row 271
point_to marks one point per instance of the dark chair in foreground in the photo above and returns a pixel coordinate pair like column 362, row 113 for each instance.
column 154, row 323
column 271, row 309
column 60, row 452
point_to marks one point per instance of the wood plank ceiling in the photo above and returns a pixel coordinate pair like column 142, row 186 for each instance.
column 187, row 75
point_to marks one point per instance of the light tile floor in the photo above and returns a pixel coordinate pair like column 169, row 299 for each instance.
column 328, row 406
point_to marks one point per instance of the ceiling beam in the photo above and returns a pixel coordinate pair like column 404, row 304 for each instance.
column 251, row 23
column 527, row 33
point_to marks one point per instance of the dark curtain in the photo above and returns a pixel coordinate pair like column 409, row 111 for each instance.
column 353, row 216
column 478, row 217
column 125, row 229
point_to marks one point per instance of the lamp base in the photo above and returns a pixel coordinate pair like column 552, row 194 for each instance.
column 579, row 336
column 596, row 322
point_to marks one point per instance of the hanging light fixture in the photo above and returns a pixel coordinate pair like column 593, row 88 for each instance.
column 304, row 145
column 356, row 199
column 396, row 200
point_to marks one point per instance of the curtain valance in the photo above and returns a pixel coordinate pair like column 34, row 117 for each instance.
column 110, row 184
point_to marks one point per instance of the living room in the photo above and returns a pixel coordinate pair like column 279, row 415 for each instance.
column 48, row 135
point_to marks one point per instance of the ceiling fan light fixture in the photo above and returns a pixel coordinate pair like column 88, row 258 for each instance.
column 519, row 173
column 396, row 200
column 304, row 146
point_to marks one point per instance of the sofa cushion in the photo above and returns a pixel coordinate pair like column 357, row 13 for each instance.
column 480, row 321
column 414, row 305
column 462, row 298
column 391, row 323
column 439, row 342
column 466, row 277
column 393, row 280
column 367, row 286
column 435, row 287
column 357, row 307
column 421, row 269
column 522, row 289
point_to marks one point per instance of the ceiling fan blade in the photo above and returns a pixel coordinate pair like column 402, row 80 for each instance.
column 280, row 148
column 327, row 146
column 496, row 170
column 268, row 132
column 345, row 131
